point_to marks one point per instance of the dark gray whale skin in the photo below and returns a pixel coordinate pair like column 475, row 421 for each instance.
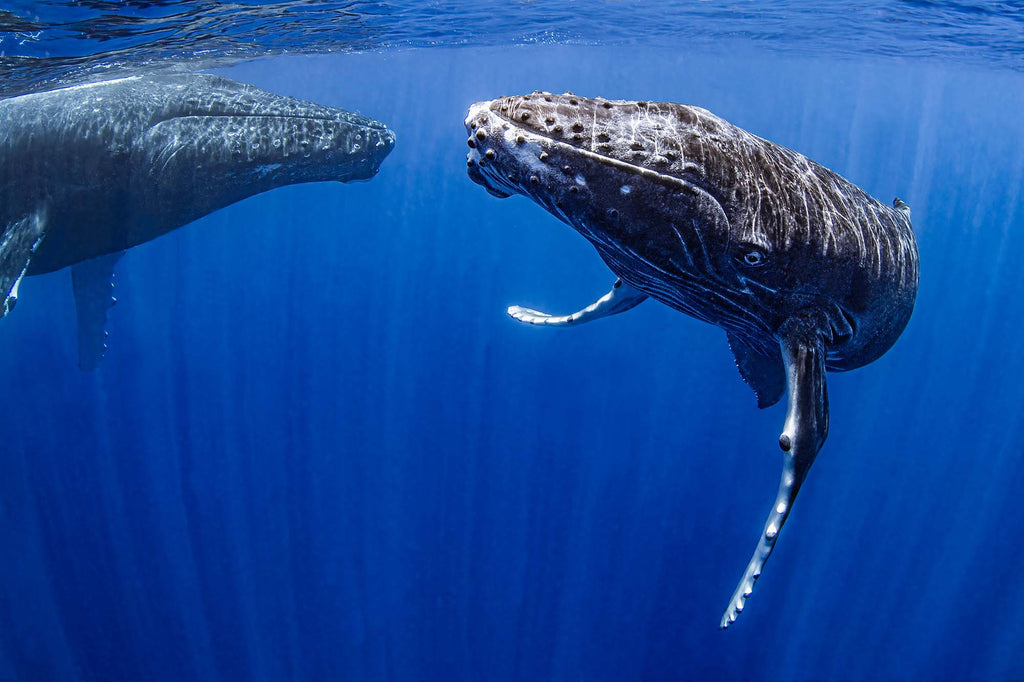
column 803, row 270
column 91, row 170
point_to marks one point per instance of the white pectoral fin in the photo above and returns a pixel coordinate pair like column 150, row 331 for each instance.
column 18, row 243
column 621, row 298
column 93, row 285
column 803, row 354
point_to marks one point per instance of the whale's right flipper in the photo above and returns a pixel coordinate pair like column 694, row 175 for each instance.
column 93, row 285
column 18, row 243
column 621, row 298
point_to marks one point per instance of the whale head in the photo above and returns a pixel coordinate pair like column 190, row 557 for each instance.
column 123, row 161
column 233, row 135
column 698, row 213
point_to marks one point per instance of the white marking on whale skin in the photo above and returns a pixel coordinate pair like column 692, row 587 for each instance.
column 684, row 247
column 527, row 153
column 266, row 169
column 85, row 86
column 580, row 180
column 476, row 111
column 788, row 201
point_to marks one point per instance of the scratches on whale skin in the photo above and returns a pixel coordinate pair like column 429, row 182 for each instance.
column 689, row 294
column 686, row 249
column 682, row 147
column 804, row 271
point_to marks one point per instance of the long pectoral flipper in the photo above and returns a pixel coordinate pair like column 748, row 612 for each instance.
column 806, row 427
column 18, row 242
column 621, row 298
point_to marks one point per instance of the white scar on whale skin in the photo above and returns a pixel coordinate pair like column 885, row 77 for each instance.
column 803, row 270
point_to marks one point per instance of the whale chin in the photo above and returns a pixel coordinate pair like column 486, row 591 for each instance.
column 497, row 192
column 477, row 175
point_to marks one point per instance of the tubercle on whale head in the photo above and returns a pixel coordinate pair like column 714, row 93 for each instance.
column 663, row 137
column 640, row 220
column 205, row 142
column 205, row 121
column 507, row 158
column 517, row 145
column 481, row 161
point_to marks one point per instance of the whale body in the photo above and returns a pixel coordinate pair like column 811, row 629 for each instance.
column 803, row 270
column 91, row 170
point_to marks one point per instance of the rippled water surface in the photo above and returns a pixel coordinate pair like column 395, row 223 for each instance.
column 43, row 42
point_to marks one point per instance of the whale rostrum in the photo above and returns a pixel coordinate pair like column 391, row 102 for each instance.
column 91, row 170
column 803, row 270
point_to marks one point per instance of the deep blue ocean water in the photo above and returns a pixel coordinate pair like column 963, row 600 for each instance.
column 318, row 449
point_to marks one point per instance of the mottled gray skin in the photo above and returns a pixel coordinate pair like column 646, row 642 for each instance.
column 95, row 169
column 117, row 163
column 803, row 270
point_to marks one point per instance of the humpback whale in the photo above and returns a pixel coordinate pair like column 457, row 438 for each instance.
column 91, row 170
column 804, row 271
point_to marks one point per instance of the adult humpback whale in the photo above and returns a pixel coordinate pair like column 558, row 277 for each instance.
column 89, row 171
column 803, row 270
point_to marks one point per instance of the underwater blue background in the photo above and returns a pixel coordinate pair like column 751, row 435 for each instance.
column 318, row 449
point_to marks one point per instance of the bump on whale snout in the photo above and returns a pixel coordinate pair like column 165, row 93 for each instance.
column 383, row 140
column 478, row 126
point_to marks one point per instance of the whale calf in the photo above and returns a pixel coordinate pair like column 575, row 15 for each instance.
column 803, row 270
column 91, row 170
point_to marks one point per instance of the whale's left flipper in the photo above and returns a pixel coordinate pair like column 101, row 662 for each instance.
column 803, row 354
column 621, row 298
column 18, row 242
column 93, row 284
column 761, row 367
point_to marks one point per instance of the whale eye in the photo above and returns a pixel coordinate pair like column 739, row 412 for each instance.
column 752, row 257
